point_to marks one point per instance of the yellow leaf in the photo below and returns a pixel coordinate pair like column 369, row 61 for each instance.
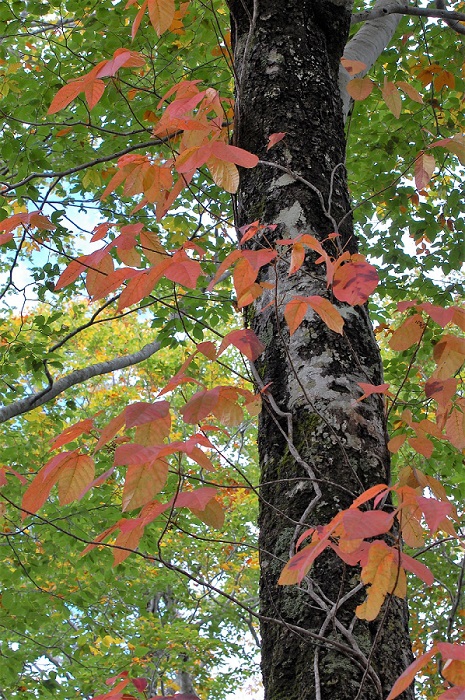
column 224, row 174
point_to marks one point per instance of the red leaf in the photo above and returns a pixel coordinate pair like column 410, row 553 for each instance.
column 369, row 389
column 451, row 651
column 275, row 138
column 37, row 492
column 244, row 340
column 408, row 676
column 233, row 154
column 354, row 281
column 360, row 525
column 434, row 511
column 141, row 412
column 417, row 568
column 200, row 405
column 140, row 684
column 424, row 169
column 197, row 499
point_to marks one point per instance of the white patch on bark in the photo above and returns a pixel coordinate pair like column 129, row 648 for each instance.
column 291, row 217
column 283, row 181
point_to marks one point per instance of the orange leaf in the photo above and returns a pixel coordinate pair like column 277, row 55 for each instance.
column 369, row 389
column 294, row 313
column 396, row 443
column 227, row 410
column 297, row 257
column 391, row 96
column 96, row 278
column 37, row 492
column 93, row 92
column 410, row 91
column 327, row 312
column 368, row 495
column 161, row 13
column 441, row 390
column 408, row 676
column 183, row 270
column 224, row 174
column 130, row 533
column 143, row 482
column 408, row 334
column 360, row 88
column 111, row 282
column 449, row 355
column 455, row 426
column 66, row 95
column 422, row 445
column 76, row 472
column 110, row 430
column 212, row 515
column 68, row 435
column 298, row 566
column 383, row 575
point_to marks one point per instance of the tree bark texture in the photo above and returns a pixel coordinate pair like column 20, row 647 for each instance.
column 318, row 447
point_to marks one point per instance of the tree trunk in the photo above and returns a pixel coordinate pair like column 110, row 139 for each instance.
column 318, row 447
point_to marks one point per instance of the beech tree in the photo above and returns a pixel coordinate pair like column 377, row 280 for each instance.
column 193, row 179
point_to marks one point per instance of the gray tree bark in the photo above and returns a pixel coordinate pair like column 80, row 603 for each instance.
column 318, row 447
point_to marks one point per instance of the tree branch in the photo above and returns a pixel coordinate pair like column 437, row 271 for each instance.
column 70, row 171
column 405, row 9
column 369, row 42
column 452, row 23
column 77, row 377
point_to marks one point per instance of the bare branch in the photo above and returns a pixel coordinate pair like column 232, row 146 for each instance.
column 451, row 18
column 77, row 377
column 104, row 159
column 452, row 23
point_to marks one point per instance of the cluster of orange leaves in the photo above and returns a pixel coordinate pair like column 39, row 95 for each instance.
column 448, row 356
column 145, row 453
column 383, row 566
